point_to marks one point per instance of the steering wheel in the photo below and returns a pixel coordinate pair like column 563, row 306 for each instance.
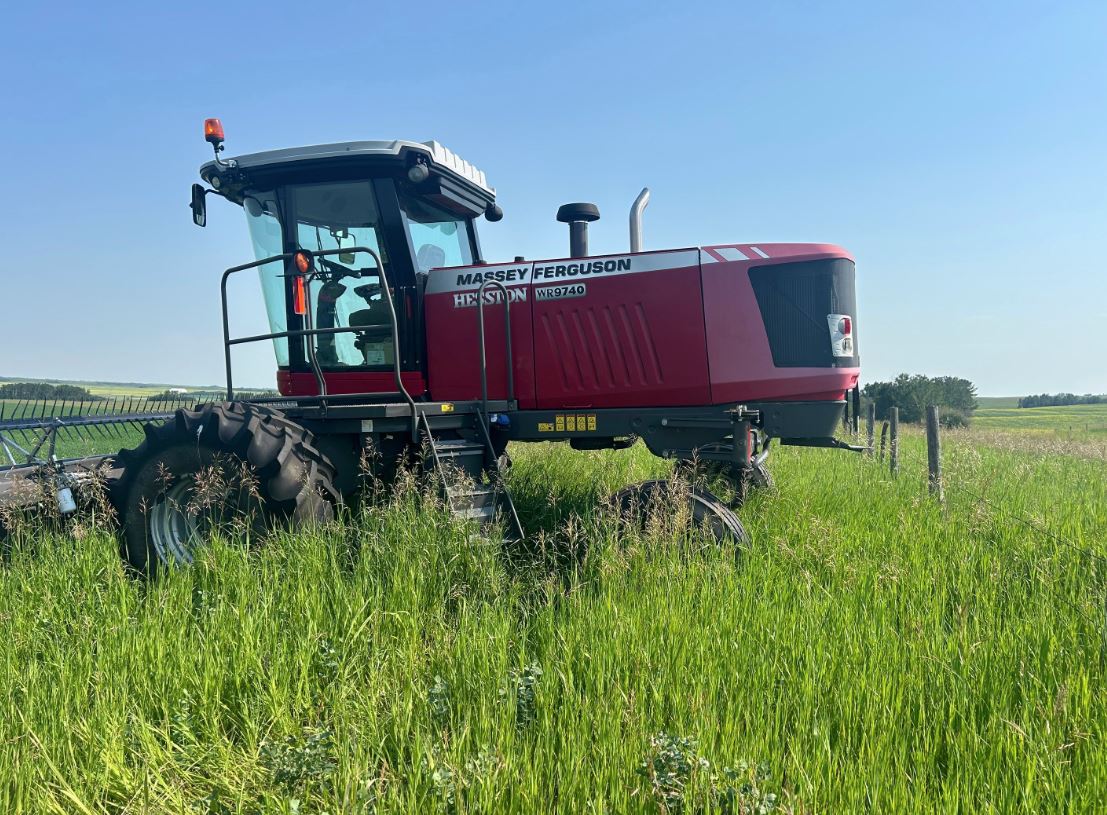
column 338, row 271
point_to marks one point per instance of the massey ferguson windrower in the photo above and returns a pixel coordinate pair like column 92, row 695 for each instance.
column 396, row 341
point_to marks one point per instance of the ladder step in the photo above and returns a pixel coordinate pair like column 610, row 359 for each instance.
column 460, row 453
column 461, row 492
column 450, row 444
column 463, row 480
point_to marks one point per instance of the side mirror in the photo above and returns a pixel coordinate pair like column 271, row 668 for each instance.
column 199, row 205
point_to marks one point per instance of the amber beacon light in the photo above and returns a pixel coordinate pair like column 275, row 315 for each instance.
column 213, row 131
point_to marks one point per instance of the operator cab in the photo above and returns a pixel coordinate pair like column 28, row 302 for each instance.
column 413, row 203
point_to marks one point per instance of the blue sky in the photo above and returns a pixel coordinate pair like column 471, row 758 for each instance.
column 958, row 150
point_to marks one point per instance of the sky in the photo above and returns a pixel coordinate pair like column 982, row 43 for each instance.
column 958, row 150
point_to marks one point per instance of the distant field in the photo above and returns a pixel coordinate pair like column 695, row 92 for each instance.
column 997, row 401
column 111, row 388
column 1073, row 419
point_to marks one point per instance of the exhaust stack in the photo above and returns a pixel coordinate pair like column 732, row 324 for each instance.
column 636, row 209
column 578, row 216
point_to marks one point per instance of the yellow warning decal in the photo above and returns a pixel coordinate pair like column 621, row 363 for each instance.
column 569, row 423
column 447, row 407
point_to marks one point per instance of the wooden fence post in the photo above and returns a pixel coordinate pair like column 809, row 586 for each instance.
column 934, row 453
column 883, row 440
column 870, row 425
column 893, row 458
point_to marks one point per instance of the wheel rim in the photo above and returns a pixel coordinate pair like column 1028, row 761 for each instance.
column 633, row 504
column 173, row 529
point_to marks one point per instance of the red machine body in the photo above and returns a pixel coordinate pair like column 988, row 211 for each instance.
column 667, row 328
column 391, row 333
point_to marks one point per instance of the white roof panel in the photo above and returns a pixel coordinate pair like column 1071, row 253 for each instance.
column 439, row 155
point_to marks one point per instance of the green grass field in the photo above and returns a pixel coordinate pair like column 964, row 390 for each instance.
column 1071, row 420
column 869, row 651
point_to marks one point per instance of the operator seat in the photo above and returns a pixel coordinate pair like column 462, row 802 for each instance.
column 374, row 340
column 429, row 257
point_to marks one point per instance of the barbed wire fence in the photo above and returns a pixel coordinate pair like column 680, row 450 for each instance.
column 940, row 482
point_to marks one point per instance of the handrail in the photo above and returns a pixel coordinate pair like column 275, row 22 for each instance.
column 483, row 359
column 310, row 331
column 341, row 329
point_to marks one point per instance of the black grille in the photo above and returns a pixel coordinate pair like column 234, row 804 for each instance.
column 795, row 299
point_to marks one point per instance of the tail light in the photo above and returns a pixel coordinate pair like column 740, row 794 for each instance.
column 841, row 335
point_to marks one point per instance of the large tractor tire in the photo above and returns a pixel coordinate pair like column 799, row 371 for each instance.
column 232, row 467
column 635, row 503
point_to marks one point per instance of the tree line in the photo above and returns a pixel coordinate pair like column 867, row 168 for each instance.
column 207, row 396
column 41, row 390
column 911, row 393
column 1061, row 399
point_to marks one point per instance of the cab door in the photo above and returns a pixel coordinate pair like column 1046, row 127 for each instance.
column 348, row 288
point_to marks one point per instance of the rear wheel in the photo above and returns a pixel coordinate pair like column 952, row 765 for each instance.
column 235, row 468
column 636, row 503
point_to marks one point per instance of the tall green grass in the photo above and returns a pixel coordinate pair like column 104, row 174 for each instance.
column 874, row 651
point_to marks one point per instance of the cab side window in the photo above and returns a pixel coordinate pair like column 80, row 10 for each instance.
column 439, row 237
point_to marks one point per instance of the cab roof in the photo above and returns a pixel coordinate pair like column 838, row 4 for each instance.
column 443, row 161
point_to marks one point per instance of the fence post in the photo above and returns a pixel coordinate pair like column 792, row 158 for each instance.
column 934, row 453
column 870, row 425
column 883, row 439
column 893, row 458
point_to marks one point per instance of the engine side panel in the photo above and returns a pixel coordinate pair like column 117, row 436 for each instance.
column 619, row 331
column 652, row 329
